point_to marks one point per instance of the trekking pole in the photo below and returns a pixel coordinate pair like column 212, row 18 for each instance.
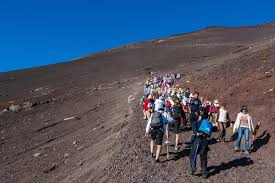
column 195, row 157
column 167, row 151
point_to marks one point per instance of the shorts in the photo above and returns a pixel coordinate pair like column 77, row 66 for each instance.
column 157, row 135
column 176, row 128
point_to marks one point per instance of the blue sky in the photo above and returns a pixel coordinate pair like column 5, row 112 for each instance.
column 41, row 32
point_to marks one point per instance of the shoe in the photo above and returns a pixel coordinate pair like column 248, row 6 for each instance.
column 166, row 142
column 152, row 155
column 246, row 152
column 192, row 172
column 157, row 161
column 177, row 148
column 204, row 175
column 236, row 149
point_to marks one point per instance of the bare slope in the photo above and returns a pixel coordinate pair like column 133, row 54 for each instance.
column 106, row 139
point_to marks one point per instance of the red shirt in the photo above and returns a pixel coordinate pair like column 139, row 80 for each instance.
column 145, row 105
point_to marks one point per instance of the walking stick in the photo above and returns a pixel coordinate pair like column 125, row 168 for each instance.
column 195, row 157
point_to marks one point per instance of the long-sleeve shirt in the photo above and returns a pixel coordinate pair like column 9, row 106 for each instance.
column 166, row 118
column 238, row 122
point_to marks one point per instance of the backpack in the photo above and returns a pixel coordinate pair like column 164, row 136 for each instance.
column 156, row 121
column 206, row 128
column 177, row 112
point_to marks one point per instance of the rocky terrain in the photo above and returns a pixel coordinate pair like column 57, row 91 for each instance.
column 81, row 121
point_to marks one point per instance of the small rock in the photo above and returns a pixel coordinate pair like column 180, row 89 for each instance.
column 94, row 89
column 3, row 131
column 50, row 168
column 66, row 154
column 27, row 105
column 15, row 108
column 75, row 142
column 80, row 148
column 131, row 98
column 69, row 118
column 37, row 154
column 268, row 74
column 80, row 163
column 270, row 90
column 94, row 129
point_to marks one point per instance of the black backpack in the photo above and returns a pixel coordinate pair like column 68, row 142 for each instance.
column 156, row 121
column 177, row 112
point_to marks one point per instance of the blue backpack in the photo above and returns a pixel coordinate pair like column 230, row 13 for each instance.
column 205, row 127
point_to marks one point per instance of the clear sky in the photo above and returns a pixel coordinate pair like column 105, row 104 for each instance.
column 41, row 32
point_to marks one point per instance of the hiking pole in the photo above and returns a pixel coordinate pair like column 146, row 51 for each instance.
column 195, row 157
column 167, row 151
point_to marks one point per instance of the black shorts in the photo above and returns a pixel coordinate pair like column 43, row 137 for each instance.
column 176, row 128
column 157, row 135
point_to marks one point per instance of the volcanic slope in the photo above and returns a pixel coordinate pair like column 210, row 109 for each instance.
column 78, row 126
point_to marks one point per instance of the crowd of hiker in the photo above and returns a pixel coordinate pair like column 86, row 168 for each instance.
column 167, row 107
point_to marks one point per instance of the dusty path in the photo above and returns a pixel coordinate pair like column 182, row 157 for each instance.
column 133, row 163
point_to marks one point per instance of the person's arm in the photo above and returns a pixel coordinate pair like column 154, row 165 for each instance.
column 148, row 126
column 237, row 123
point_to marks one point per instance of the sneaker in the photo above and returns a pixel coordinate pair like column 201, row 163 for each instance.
column 177, row 148
column 246, row 152
column 236, row 149
column 166, row 142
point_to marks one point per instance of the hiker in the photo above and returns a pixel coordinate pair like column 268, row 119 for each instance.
column 243, row 124
column 159, row 103
column 178, row 115
column 223, row 121
column 200, row 144
column 187, row 93
column 147, row 107
column 213, row 110
column 156, row 126
column 195, row 106
column 206, row 104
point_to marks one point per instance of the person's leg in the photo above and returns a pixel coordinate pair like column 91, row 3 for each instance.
column 152, row 146
column 176, row 131
column 203, row 156
column 177, row 140
column 246, row 138
column 240, row 134
column 223, row 132
column 158, row 152
column 153, row 139
column 193, row 155
column 220, row 131
column 144, row 114
column 148, row 114
column 159, row 138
